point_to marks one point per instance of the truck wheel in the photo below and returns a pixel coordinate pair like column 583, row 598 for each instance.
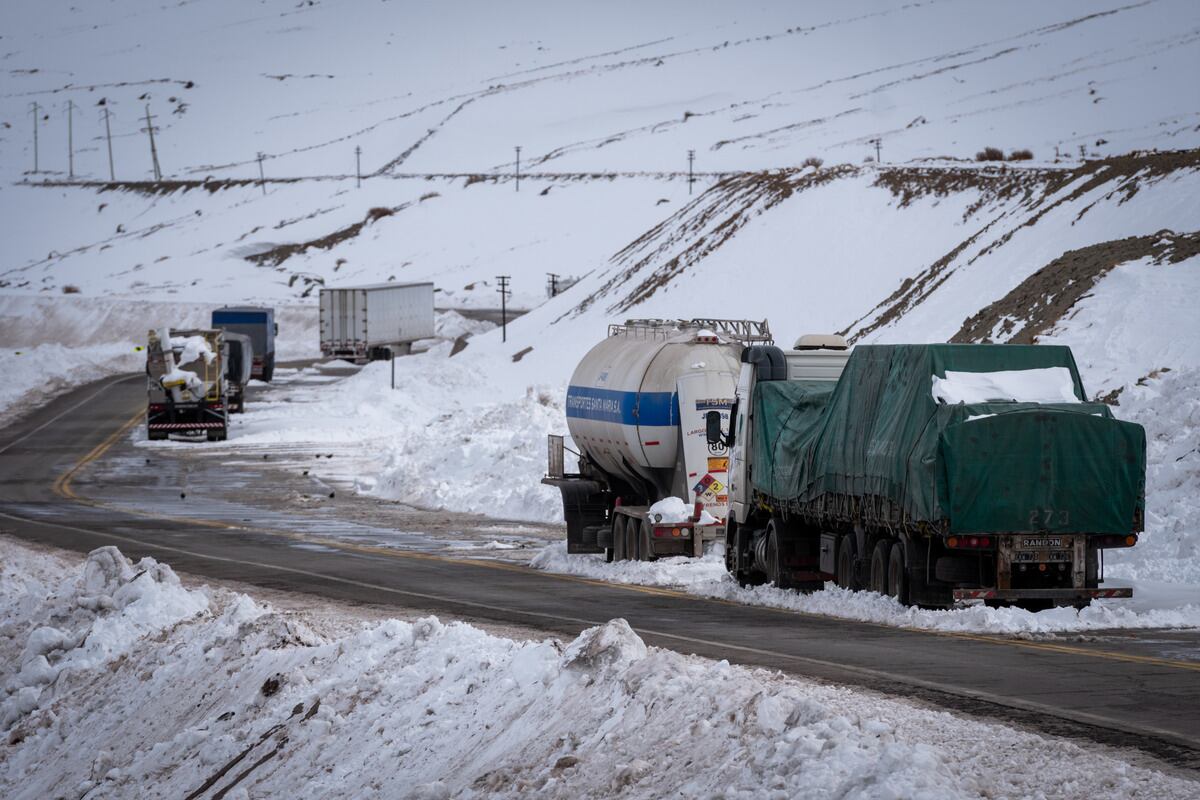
column 619, row 537
column 771, row 558
column 879, row 563
column 845, row 564
column 897, row 574
column 645, row 550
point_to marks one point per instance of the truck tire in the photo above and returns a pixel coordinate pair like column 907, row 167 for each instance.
column 156, row 435
column 216, row 436
column 268, row 370
column 619, row 553
column 771, row 561
column 879, row 564
column 645, row 550
column 846, row 577
column 897, row 573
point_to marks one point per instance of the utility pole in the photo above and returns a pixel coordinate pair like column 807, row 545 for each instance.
column 153, row 149
column 878, row 143
column 691, row 174
column 262, row 178
column 553, row 283
column 504, row 293
column 112, row 175
column 357, row 167
column 36, row 122
column 71, row 139
column 518, row 148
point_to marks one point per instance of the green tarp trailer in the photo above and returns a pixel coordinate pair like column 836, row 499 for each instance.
column 878, row 448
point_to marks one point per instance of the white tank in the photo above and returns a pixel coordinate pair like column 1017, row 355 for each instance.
column 636, row 408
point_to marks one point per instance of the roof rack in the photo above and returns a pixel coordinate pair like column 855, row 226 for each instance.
column 744, row 331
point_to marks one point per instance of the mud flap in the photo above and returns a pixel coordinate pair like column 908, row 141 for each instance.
column 585, row 508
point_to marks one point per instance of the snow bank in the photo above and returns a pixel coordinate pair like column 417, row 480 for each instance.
column 707, row 577
column 191, row 689
column 1168, row 407
column 1044, row 385
column 34, row 375
column 445, row 438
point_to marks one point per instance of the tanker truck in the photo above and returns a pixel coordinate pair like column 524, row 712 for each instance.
column 186, row 384
column 648, row 484
column 932, row 473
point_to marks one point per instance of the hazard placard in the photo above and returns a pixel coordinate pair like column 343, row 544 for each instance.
column 718, row 464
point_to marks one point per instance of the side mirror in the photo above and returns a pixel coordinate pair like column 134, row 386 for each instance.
column 712, row 427
column 276, row 328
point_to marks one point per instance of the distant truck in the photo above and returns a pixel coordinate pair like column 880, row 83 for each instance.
column 238, row 366
column 257, row 322
column 370, row 323
column 931, row 473
column 648, row 484
column 186, row 394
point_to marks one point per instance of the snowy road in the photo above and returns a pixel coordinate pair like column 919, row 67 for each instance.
column 61, row 474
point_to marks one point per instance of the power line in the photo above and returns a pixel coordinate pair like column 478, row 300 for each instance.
column 504, row 295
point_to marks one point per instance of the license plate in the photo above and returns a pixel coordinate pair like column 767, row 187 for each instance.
column 1036, row 556
column 1044, row 542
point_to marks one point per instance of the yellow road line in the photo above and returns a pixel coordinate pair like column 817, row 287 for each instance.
column 62, row 487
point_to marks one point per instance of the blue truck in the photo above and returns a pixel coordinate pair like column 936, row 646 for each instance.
column 257, row 322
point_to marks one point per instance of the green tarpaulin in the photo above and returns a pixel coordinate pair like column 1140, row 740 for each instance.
column 878, row 436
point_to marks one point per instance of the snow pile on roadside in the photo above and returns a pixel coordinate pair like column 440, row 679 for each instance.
column 35, row 374
column 208, row 690
column 1169, row 408
column 706, row 577
column 443, row 439
column 84, row 623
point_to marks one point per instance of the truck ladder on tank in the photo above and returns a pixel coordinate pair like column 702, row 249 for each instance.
column 744, row 331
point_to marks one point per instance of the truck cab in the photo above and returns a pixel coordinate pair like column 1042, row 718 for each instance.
column 814, row 357
column 257, row 322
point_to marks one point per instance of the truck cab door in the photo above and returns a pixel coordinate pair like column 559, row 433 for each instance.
column 739, row 449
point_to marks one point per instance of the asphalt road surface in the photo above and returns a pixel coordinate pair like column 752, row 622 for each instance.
column 60, row 469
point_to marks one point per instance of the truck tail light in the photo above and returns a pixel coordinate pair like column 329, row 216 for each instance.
column 1116, row 541
column 969, row 542
column 676, row 532
column 156, row 408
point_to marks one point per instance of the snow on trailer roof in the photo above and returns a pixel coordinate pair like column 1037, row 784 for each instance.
column 391, row 285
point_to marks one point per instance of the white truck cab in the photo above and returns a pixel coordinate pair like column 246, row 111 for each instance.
column 814, row 357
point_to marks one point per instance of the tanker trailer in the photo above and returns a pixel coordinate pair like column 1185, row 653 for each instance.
column 648, row 482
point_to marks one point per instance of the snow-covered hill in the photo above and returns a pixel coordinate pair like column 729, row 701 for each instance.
column 1092, row 242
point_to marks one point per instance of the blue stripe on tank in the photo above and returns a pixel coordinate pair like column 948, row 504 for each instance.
column 627, row 408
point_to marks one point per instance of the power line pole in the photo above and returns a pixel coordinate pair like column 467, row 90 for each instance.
column 518, row 148
column 357, row 167
column 36, row 122
column 878, row 143
column 153, row 149
column 504, row 293
column 262, row 178
column 691, row 174
column 553, row 283
column 71, row 139
column 112, row 175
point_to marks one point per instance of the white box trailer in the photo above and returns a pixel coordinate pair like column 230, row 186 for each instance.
column 364, row 323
